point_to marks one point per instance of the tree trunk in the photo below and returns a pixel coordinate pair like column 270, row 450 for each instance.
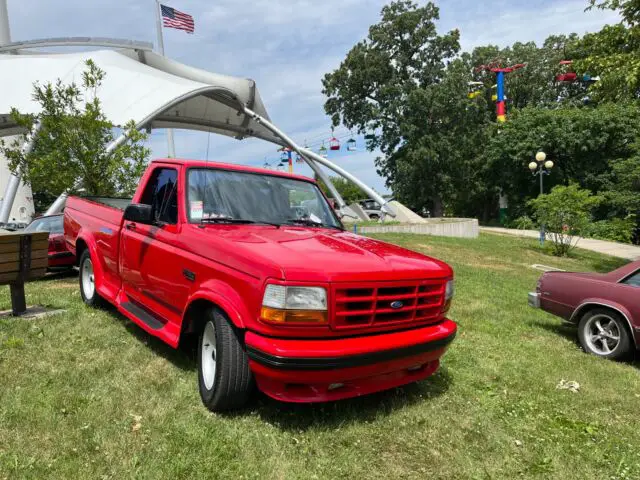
column 438, row 208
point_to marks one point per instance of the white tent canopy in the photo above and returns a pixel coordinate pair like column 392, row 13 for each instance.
column 152, row 90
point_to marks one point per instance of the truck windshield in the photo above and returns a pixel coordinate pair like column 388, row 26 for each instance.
column 224, row 195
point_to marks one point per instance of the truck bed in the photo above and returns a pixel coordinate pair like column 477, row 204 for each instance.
column 99, row 219
column 119, row 203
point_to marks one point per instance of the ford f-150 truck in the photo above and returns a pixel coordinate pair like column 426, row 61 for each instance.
column 256, row 265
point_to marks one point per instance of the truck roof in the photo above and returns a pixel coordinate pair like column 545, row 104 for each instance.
column 230, row 166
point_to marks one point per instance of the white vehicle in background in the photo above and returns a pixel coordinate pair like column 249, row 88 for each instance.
column 371, row 208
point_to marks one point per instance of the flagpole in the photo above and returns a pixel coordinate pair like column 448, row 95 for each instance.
column 171, row 149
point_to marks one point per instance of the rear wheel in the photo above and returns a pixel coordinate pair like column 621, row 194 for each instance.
column 604, row 333
column 224, row 378
column 87, row 282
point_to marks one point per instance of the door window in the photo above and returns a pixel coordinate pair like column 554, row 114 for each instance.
column 633, row 280
column 162, row 194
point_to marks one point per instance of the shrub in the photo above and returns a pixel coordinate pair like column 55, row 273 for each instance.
column 522, row 223
column 616, row 229
column 565, row 213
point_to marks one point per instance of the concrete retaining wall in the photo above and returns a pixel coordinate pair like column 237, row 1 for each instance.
column 458, row 227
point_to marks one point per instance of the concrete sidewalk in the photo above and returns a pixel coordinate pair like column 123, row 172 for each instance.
column 622, row 250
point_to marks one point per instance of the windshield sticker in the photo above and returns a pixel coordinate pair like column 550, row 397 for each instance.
column 196, row 208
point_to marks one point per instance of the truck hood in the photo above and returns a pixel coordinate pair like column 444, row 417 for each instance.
column 323, row 255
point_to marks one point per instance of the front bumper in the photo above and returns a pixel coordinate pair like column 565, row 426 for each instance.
column 534, row 299
column 323, row 370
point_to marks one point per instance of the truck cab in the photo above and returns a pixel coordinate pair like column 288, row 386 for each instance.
column 256, row 265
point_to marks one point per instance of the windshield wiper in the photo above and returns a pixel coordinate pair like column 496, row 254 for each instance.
column 237, row 221
column 311, row 223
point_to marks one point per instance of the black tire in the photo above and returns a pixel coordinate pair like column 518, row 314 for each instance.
column 231, row 384
column 93, row 299
column 614, row 327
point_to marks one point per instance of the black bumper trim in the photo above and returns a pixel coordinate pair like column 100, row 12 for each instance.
column 328, row 363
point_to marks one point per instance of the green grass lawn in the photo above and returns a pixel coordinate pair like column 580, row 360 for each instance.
column 86, row 394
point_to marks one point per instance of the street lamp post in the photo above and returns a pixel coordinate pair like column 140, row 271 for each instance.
column 541, row 167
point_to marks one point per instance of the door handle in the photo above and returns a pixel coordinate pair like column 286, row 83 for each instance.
column 130, row 226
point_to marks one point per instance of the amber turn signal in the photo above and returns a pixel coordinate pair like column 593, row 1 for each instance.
column 279, row 316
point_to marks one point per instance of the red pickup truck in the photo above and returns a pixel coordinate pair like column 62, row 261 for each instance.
column 256, row 265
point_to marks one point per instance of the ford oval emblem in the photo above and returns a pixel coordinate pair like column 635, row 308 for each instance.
column 397, row 304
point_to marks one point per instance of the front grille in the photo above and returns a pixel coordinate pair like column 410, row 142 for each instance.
column 357, row 306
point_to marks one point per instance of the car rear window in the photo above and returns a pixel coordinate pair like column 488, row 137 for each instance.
column 46, row 224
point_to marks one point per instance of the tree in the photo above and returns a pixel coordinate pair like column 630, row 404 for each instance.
column 388, row 87
column 348, row 191
column 69, row 152
column 597, row 148
column 564, row 213
column 613, row 53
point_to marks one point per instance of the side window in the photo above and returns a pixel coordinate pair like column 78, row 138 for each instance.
column 633, row 280
column 162, row 194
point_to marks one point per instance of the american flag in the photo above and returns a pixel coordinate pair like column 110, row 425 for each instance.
column 172, row 18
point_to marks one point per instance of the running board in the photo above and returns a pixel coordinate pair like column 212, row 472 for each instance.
column 144, row 316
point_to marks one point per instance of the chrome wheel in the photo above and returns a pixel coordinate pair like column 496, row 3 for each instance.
column 602, row 334
column 208, row 355
column 88, row 280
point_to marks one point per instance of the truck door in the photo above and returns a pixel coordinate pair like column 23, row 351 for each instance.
column 149, row 261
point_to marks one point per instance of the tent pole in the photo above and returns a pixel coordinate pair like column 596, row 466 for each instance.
column 384, row 205
column 291, row 144
column 327, row 181
column 5, row 38
column 58, row 205
column 5, row 31
column 14, row 180
column 313, row 157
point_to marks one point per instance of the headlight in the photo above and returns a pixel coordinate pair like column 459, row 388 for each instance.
column 449, row 291
column 282, row 304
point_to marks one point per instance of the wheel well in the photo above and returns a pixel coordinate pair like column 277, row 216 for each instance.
column 577, row 316
column 194, row 318
column 81, row 246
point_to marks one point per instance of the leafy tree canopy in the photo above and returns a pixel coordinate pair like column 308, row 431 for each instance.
column 406, row 86
column 595, row 147
column 613, row 53
column 69, row 152
column 395, row 86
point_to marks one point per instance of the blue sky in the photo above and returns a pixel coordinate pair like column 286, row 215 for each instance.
column 287, row 46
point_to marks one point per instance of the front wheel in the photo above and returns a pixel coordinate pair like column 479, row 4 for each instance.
column 604, row 333
column 224, row 377
column 87, row 282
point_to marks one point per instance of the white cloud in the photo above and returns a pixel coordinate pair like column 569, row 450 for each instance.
column 287, row 46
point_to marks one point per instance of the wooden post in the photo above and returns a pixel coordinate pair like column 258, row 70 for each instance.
column 18, row 300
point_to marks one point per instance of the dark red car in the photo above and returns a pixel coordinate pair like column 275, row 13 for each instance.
column 59, row 256
column 605, row 307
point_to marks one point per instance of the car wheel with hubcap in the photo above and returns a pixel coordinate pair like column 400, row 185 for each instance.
column 87, row 282
column 224, row 377
column 604, row 333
